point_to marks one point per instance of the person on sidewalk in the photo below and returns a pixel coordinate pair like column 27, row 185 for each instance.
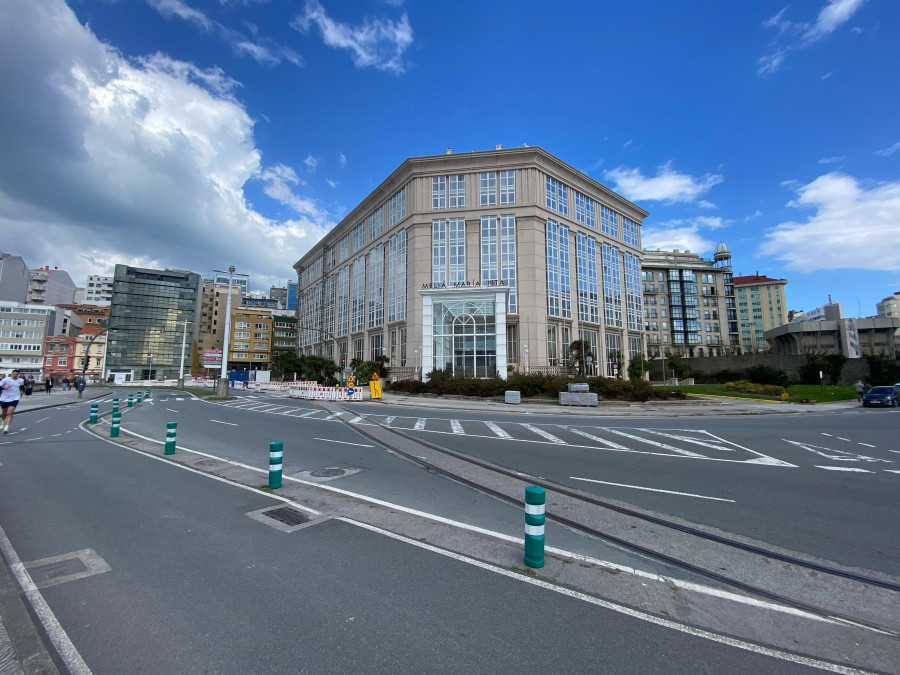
column 48, row 384
column 860, row 390
column 10, row 393
column 29, row 385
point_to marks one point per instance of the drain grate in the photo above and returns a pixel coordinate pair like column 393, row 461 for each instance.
column 287, row 515
column 56, row 570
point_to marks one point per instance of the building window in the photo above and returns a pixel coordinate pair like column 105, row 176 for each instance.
column 612, row 287
column 633, row 291
column 457, row 191
column 359, row 346
column 448, row 251
column 508, row 260
column 512, row 343
column 488, row 183
column 376, row 346
column 376, row 226
column 630, row 232
column 552, row 344
column 584, row 209
column 62, row 361
column 609, row 223
column 343, row 301
column 439, row 192
column 397, row 277
column 397, row 207
column 344, row 248
column 359, row 238
column 557, row 196
column 559, row 291
column 613, row 354
column 376, row 286
column 507, row 187
column 358, row 296
column 586, row 269
column 593, row 341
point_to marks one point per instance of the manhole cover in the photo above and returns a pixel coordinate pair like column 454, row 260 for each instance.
column 287, row 515
column 55, row 570
column 327, row 473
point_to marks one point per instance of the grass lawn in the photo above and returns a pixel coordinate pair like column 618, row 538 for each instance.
column 797, row 392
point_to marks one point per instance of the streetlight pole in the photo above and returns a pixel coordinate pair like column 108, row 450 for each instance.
column 183, row 340
column 150, row 367
column 222, row 387
column 527, row 368
column 418, row 349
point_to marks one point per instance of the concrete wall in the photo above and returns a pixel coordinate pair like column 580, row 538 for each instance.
column 854, row 369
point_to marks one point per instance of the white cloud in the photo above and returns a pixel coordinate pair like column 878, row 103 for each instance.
column 826, row 76
column 264, row 50
column 703, row 204
column 108, row 160
column 681, row 233
column 854, row 226
column 799, row 35
column 753, row 216
column 311, row 163
column 331, row 183
column 377, row 42
column 887, row 152
column 627, row 143
column 668, row 185
column 832, row 160
column 342, row 160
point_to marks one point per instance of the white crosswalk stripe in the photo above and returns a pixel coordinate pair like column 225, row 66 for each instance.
column 545, row 434
column 457, row 427
column 497, row 430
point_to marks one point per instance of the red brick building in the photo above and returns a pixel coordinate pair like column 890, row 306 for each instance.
column 59, row 357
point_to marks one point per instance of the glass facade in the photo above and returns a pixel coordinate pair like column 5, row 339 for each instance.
column 146, row 319
column 465, row 338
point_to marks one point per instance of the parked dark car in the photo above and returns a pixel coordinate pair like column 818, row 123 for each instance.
column 881, row 396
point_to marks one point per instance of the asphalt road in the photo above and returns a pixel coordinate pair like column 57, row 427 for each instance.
column 174, row 577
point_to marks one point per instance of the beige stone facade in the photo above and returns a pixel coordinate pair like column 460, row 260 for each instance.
column 477, row 262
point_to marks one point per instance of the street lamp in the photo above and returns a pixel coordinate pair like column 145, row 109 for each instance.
column 525, row 347
column 183, row 340
column 222, row 387
column 150, row 368
column 418, row 350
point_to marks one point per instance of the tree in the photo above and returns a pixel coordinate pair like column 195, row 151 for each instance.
column 580, row 351
column 679, row 368
column 638, row 367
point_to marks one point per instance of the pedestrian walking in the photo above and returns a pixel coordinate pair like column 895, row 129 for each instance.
column 48, row 384
column 10, row 393
column 65, row 383
column 860, row 390
column 29, row 385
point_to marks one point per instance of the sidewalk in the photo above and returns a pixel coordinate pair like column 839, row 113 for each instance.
column 41, row 399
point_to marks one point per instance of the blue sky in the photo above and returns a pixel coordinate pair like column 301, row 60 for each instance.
column 195, row 134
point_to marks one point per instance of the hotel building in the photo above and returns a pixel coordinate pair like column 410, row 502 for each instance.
column 478, row 263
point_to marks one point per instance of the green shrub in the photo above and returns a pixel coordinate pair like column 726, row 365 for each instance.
column 747, row 387
column 767, row 375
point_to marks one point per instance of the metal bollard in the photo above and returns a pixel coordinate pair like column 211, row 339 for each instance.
column 95, row 411
column 130, row 400
column 114, row 424
column 534, row 526
column 170, row 437
column 276, row 450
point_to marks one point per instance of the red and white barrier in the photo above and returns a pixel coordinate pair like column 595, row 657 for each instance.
column 316, row 392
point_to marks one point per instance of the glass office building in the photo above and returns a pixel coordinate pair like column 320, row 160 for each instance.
column 147, row 317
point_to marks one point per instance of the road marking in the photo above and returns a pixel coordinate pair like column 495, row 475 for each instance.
column 892, row 470
column 840, row 456
column 388, row 420
column 842, row 439
column 621, row 609
column 639, row 487
column 331, row 440
column 170, row 410
column 897, row 451
column 231, row 424
column 546, row 434
column 60, row 639
column 43, row 419
column 54, row 435
column 610, row 444
column 824, row 434
column 687, row 585
column 497, row 430
column 356, row 420
column 866, row 444
column 664, row 446
column 844, row 468
column 457, row 427
column 420, row 424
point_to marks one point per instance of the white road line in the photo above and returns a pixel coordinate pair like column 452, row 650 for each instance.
column 842, row 439
column 897, row 451
column 639, row 487
column 457, row 427
column 607, row 443
column 892, row 471
column 231, row 424
column 689, row 439
column 420, row 424
column 843, row 456
column 866, row 444
column 42, row 420
column 58, row 636
column 388, row 420
column 497, row 430
column 54, row 435
column 844, row 468
column 307, row 413
column 621, row 609
column 664, row 446
column 824, row 434
column 331, row 440
column 546, row 434
column 170, row 410
column 356, row 420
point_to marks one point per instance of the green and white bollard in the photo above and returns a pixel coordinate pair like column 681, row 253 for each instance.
column 115, row 405
column 147, row 392
column 534, row 526
column 95, row 411
column 276, row 450
column 170, row 437
column 114, row 424
column 139, row 397
column 130, row 400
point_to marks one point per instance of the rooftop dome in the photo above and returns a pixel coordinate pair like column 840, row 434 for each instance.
column 722, row 252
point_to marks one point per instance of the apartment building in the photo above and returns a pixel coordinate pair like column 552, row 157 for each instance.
column 761, row 307
column 689, row 303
